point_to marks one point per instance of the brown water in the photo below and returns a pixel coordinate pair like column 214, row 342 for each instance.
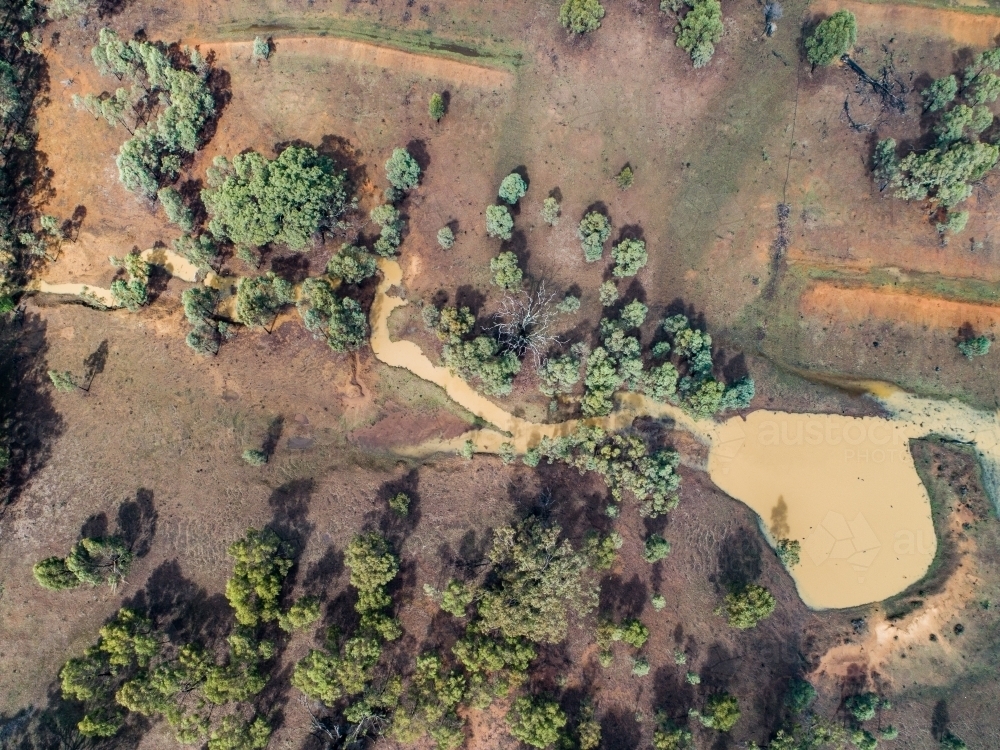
column 845, row 487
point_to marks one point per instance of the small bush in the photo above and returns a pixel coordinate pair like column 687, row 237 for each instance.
column 629, row 257
column 625, row 178
column 254, row 457
column 64, row 382
column 506, row 273
column 640, row 666
column 692, row 678
column 594, row 230
column 655, row 548
column 52, row 573
column 513, row 188
column 569, row 304
column 400, row 504
column 499, row 222
column 436, row 106
column 788, row 551
column 402, row 170
column 446, row 238
column 745, row 607
column 581, row 16
column 979, row 346
column 550, row 211
column 608, row 293
column 261, row 49
column 832, row 38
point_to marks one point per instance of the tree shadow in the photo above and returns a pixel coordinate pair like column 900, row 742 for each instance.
column 470, row 297
column 221, row 85
column 620, row 731
column 720, row 668
column 346, row 157
column 623, row 599
column 290, row 505
column 940, row 720
column 317, row 579
column 672, row 694
column 26, row 408
column 95, row 527
column 293, row 268
column 137, row 522
column 108, row 8
column 418, row 150
column 739, row 560
column 391, row 524
column 94, row 364
column 631, row 232
column 274, row 430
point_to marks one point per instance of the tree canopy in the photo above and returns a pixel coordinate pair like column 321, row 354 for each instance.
column 581, row 16
column 255, row 201
column 699, row 29
column 832, row 38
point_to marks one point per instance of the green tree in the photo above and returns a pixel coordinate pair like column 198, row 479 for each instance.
column 499, row 222
column 581, row 16
column 788, row 551
column 863, row 707
column 539, row 581
column 951, row 742
column 259, row 298
column 254, row 201
column 668, row 737
column 446, row 238
column 254, row 457
column 629, row 257
column 976, row 346
column 625, row 178
column 608, row 293
column 402, row 170
column 940, row 93
column 594, row 230
column 560, row 374
column 261, row 564
column 450, row 324
column 655, row 548
column 506, row 272
column 352, row 265
column 301, row 614
column 483, row 359
column 400, row 504
column 747, row 606
column 100, row 560
column 63, row 381
column 173, row 205
column 955, row 222
column 199, row 249
column 699, row 30
column 832, row 38
column 800, row 696
column 536, row 721
column 235, row 734
column 601, row 551
column 133, row 291
column 436, row 106
column 388, row 217
column 550, row 211
column 53, row 574
column 721, row 712
column 512, row 188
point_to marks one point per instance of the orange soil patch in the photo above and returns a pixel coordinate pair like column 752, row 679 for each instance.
column 839, row 304
column 350, row 51
column 974, row 29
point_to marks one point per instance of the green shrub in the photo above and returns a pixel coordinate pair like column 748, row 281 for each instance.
column 977, row 346
column 446, row 238
column 506, row 273
column 436, row 106
column 832, row 38
column 569, row 304
column 940, row 93
column 594, row 230
column 400, row 504
column 640, row 666
column 581, row 16
column 52, row 573
column 699, row 30
column 499, row 222
column 259, row 298
column 788, row 551
column 402, row 170
column 261, row 49
column 173, row 206
column 747, row 606
column 633, row 632
column 254, row 457
column 513, row 188
column 721, row 712
column 253, row 201
column 63, row 381
column 536, row 721
column 863, row 707
column 625, row 178
column 659, row 601
column 800, row 696
column 352, row 265
column 955, row 222
column 629, row 257
column 655, row 548
column 550, row 211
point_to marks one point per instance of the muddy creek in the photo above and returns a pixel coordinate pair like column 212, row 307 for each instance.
column 845, row 488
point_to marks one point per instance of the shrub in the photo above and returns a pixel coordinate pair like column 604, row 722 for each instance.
column 255, row 457
column 506, row 273
column 940, row 93
column 977, row 346
column 100, row 560
column 507, row 452
column 200, row 250
column 608, row 293
column 400, row 504
column 559, row 374
column 629, row 257
column 340, row 322
column 254, row 201
column 955, row 223
column 352, row 265
column 950, row 742
column 133, row 291
column 261, row 49
column 173, row 206
column 800, row 696
column 633, row 632
column 550, row 211
column 436, row 106
column 655, row 548
column 640, row 666
column 259, row 298
column 602, row 551
column 536, row 721
column 402, row 170
column 53, row 574
column 747, row 606
column 889, row 733
column 832, row 38
column 569, row 304
column 499, row 222
column 625, row 178
column 659, row 601
column 692, row 678
column 788, row 551
column 481, row 358
column 680, row 657
column 721, row 712
column 64, row 382
column 699, row 29
column 387, row 216
column 593, row 231
column 513, row 188
column 863, row 706
column 446, row 238
column 581, row 16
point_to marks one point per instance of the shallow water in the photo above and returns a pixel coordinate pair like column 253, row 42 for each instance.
column 845, row 487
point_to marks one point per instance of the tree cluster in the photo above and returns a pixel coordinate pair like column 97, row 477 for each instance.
column 174, row 88
column 699, row 29
column 132, row 292
column 946, row 172
column 92, row 560
column 340, row 321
